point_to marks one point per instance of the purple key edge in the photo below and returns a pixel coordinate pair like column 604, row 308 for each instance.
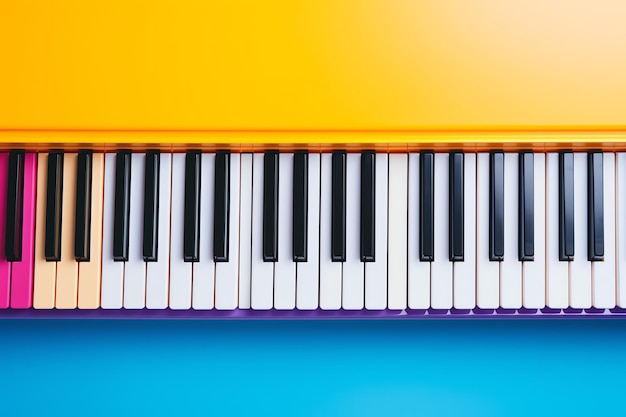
column 239, row 314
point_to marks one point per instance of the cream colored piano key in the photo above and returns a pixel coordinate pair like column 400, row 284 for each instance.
column 44, row 272
column 67, row 267
column 90, row 273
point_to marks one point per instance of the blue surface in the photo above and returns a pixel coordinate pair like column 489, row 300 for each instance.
column 313, row 368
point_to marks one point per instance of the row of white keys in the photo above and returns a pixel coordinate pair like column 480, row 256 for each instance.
column 307, row 273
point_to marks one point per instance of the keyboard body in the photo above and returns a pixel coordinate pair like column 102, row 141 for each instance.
column 397, row 79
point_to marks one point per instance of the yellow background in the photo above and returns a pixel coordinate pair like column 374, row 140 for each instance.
column 332, row 71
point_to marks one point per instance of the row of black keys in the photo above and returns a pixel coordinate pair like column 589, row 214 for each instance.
column 300, row 206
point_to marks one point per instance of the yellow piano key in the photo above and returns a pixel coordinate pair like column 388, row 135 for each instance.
column 90, row 273
column 67, row 267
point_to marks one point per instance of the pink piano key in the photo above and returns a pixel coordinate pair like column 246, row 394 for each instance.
column 5, row 266
column 22, row 272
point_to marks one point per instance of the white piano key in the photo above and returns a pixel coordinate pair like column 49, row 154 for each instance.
column 245, row 231
column 203, row 285
column 135, row 268
column 262, row 286
column 397, row 239
column 603, row 273
column 557, row 287
column 534, row 291
column 465, row 272
column 157, row 273
column 511, row 267
column 180, row 271
column 441, row 267
column 307, row 273
column 330, row 272
column 487, row 272
column 580, row 267
column 376, row 272
column 353, row 295
column 112, row 272
column 419, row 272
column 227, row 273
column 620, row 217
column 285, row 268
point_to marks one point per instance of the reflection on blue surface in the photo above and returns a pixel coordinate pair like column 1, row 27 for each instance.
column 313, row 368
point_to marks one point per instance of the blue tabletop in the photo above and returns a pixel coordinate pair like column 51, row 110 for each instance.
column 313, row 368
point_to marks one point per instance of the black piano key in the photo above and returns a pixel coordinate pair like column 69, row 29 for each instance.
column 526, row 214
column 191, row 250
column 368, row 206
column 82, row 230
column 456, row 207
column 122, row 206
column 151, row 206
column 15, row 207
column 566, row 206
column 270, row 206
column 221, row 206
column 595, row 207
column 427, row 207
column 496, row 206
column 338, row 203
column 300, row 205
column 54, row 206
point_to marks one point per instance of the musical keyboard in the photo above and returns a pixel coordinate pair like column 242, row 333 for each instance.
column 287, row 233
column 359, row 159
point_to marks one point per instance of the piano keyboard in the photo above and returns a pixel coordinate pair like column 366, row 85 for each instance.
column 284, row 234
